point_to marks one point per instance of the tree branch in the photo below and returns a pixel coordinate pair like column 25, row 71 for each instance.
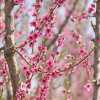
column 23, row 57
column 63, row 25
column 79, row 62
column 96, row 95
column 9, row 47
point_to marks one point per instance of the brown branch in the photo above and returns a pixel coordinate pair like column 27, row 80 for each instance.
column 96, row 95
column 23, row 57
column 63, row 25
column 9, row 48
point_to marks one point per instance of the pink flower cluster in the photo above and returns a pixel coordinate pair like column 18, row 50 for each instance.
column 50, row 63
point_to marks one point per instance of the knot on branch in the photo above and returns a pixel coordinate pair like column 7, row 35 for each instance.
column 9, row 51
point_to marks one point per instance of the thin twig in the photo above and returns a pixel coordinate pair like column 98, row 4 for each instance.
column 22, row 57
column 79, row 62
column 84, row 58
column 93, row 26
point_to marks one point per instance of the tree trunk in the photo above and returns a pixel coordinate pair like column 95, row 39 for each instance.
column 9, row 47
column 97, row 54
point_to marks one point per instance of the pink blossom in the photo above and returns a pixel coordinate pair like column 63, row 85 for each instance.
column 88, row 87
column 19, row 1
